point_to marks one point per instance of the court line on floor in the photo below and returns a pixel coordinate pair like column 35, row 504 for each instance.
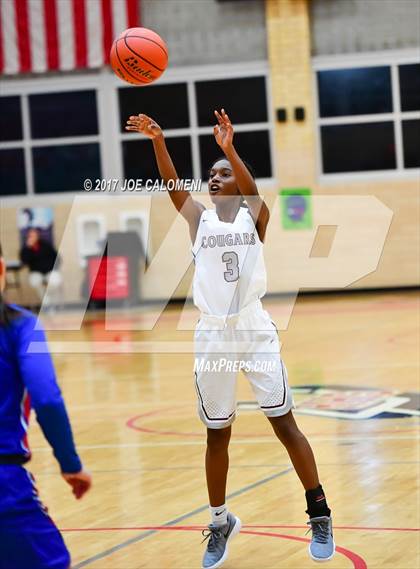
column 131, row 423
column 232, row 442
column 173, row 522
column 231, row 467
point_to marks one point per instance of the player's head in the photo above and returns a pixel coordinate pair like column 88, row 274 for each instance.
column 222, row 181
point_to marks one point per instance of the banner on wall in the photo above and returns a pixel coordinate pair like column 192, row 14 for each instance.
column 296, row 208
column 41, row 218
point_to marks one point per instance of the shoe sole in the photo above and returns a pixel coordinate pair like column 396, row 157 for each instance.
column 320, row 559
column 236, row 529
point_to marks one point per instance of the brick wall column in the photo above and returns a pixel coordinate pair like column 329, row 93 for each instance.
column 289, row 52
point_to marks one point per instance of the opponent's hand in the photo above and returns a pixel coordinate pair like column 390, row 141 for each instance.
column 223, row 131
column 145, row 125
column 79, row 481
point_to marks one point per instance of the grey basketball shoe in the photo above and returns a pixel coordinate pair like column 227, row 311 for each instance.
column 322, row 546
column 218, row 536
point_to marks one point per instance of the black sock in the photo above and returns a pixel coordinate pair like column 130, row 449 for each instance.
column 317, row 503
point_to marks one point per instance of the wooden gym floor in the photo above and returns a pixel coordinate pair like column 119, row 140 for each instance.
column 134, row 417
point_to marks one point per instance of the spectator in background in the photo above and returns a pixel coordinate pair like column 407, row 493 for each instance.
column 43, row 261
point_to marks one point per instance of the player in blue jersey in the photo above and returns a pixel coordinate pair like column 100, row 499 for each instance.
column 29, row 538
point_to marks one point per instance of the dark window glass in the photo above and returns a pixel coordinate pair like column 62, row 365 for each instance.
column 12, row 172
column 10, row 118
column 166, row 104
column 63, row 114
column 358, row 147
column 253, row 147
column 140, row 163
column 64, row 168
column 411, row 143
column 243, row 99
column 358, row 91
column 410, row 87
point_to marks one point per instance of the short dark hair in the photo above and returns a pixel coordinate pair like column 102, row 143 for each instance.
column 248, row 166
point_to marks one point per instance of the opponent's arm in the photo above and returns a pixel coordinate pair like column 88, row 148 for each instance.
column 38, row 375
column 223, row 133
column 190, row 209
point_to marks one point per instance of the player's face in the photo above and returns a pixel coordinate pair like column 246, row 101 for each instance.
column 222, row 181
column 32, row 237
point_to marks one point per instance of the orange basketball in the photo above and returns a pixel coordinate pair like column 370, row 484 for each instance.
column 139, row 56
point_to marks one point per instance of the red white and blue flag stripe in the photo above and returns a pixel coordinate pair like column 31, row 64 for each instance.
column 37, row 36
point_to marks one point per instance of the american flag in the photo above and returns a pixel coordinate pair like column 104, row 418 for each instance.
column 59, row 35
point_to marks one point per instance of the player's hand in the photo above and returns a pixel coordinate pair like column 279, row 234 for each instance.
column 145, row 125
column 223, row 131
column 79, row 481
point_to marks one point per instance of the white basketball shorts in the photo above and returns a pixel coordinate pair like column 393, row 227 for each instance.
column 246, row 342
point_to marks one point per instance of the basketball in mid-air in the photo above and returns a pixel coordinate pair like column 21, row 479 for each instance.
column 139, row 56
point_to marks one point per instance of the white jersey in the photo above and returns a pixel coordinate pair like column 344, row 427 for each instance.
column 229, row 264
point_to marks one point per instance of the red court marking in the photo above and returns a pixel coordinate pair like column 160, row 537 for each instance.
column 131, row 423
column 358, row 562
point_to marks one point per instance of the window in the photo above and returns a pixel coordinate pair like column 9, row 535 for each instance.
column 410, row 87
column 56, row 131
column 186, row 113
column 244, row 100
column 166, row 104
column 55, row 115
column 140, row 162
column 253, row 147
column 10, row 119
column 369, row 118
column 358, row 147
column 12, row 171
column 37, row 155
column 411, row 143
column 360, row 91
column 63, row 168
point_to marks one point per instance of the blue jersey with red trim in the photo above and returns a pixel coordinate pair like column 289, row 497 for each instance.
column 27, row 380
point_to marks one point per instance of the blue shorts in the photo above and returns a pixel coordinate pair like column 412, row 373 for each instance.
column 29, row 538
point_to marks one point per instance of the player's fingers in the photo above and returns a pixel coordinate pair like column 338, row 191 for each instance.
column 219, row 118
column 84, row 487
column 226, row 117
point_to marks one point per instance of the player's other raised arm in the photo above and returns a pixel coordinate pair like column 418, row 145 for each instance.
column 223, row 133
column 190, row 209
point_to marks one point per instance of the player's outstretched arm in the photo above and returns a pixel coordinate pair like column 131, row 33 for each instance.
column 190, row 209
column 223, row 133
column 37, row 372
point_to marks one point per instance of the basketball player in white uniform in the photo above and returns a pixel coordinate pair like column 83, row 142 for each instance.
column 235, row 332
